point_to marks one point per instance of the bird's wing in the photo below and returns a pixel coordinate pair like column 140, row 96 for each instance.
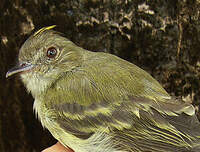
column 147, row 129
column 113, row 98
column 92, row 105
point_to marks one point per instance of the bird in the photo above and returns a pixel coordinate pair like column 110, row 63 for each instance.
column 98, row 102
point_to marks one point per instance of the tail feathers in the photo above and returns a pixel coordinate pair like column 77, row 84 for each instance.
column 175, row 134
column 187, row 124
column 137, row 142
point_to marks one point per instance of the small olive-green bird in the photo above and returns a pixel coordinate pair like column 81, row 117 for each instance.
column 98, row 102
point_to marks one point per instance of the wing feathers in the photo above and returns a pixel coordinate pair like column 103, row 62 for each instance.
column 139, row 115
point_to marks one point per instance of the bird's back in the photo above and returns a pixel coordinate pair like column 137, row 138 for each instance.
column 103, row 96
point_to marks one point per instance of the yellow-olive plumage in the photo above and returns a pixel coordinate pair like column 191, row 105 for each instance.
column 97, row 102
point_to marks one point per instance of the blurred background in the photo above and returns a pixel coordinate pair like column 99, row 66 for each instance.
column 160, row 36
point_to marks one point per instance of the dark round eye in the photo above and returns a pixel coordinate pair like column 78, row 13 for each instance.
column 51, row 52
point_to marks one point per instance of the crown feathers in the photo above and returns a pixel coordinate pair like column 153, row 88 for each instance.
column 44, row 29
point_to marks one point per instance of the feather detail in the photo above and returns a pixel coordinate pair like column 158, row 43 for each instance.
column 98, row 102
column 40, row 31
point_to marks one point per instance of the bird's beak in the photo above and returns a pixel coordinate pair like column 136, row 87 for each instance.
column 19, row 68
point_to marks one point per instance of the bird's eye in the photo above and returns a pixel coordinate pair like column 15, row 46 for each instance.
column 51, row 52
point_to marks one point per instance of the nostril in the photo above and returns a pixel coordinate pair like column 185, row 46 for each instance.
column 23, row 64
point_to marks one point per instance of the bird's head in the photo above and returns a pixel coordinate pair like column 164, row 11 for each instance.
column 44, row 57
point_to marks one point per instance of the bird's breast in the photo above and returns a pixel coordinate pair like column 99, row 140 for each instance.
column 48, row 121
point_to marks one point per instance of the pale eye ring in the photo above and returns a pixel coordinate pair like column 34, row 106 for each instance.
column 51, row 52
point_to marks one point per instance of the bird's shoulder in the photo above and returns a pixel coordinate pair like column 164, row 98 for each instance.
column 107, row 79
